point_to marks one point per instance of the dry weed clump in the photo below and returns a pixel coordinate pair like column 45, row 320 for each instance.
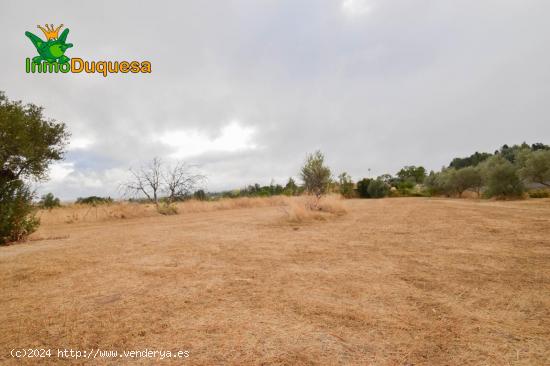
column 77, row 213
column 167, row 209
column 307, row 208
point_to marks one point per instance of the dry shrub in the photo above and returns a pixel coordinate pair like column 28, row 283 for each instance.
column 307, row 208
column 231, row 203
column 297, row 208
column 81, row 213
column 167, row 209
column 332, row 204
column 77, row 213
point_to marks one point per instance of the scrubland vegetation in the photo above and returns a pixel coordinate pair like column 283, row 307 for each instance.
column 294, row 274
column 30, row 143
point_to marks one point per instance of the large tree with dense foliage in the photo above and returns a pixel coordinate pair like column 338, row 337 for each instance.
column 413, row 174
column 536, row 167
column 29, row 143
column 501, row 178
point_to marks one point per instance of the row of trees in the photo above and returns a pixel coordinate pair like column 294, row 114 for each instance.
column 507, row 173
column 29, row 143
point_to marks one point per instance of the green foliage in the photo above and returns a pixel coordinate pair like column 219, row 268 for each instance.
column 17, row 218
column 28, row 144
column 472, row 160
column 346, row 185
column 536, row 167
column 433, row 184
column 200, row 195
column 412, row 174
column 49, row 201
column 291, row 189
column 501, row 178
column 458, row 181
column 377, row 189
column 94, row 200
column 363, row 188
column 315, row 174
column 539, row 193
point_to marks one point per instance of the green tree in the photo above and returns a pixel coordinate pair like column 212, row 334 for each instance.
column 291, row 189
column 501, row 177
column 49, row 201
column 29, row 143
column 472, row 160
column 200, row 195
column 315, row 174
column 377, row 189
column 536, row 167
column 363, row 188
column 412, row 174
column 346, row 185
column 464, row 179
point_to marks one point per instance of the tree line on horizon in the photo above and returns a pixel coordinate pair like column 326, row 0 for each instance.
column 29, row 143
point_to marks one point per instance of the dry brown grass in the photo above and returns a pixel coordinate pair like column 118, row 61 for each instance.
column 393, row 282
column 303, row 209
column 76, row 213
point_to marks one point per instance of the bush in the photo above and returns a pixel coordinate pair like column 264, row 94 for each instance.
column 165, row 208
column 539, row 193
column 363, row 188
column 345, row 185
column 93, row 200
column 16, row 212
column 377, row 189
column 200, row 195
column 49, row 201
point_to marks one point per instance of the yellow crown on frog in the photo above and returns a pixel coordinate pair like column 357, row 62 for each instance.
column 49, row 31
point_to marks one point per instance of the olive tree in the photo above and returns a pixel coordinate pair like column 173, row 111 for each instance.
column 461, row 180
column 501, row 178
column 536, row 167
column 29, row 143
column 315, row 174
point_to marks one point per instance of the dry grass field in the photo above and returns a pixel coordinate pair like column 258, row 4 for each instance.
column 405, row 281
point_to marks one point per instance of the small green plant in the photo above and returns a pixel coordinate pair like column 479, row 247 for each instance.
column 49, row 201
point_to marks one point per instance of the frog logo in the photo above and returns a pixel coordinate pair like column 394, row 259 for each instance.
column 53, row 49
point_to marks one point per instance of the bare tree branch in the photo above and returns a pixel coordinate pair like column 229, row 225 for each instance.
column 156, row 178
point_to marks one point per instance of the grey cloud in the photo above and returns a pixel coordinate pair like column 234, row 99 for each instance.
column 410, row 82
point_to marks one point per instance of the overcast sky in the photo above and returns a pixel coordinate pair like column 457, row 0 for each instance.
column 245, row 89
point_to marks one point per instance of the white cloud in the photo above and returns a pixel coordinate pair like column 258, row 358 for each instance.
column 80, row 143
column 233, row 137
column 356, row 7
column 60, row 171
